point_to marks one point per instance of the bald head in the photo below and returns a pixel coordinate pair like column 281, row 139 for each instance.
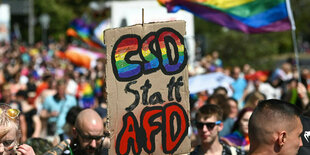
column 89, row 120
column 88, row 131
column 270, row 117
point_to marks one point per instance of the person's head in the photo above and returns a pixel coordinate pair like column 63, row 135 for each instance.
column 47, row 77
column 286, row 67
column 242, row 121
column 21, row 95
column 275, row 126
column 208, row 122
column 88, row 131
column 246, row 68
column 221, row 101
column 253, row 99
column 215, row 54
column 70, row 119
column 6, row 92
column 292, row 84
column 61, row 86
column 233, row 104
column 220, row 90
column 276, row 82
column 9, row 129
column 236, row 72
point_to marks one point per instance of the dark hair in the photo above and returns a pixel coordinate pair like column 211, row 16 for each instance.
column 219, row 89
column 208, row 110
column 279, row 106
column 240, row 115
column 271, row 112
column 72, row 115
column 221, row 101
column 46, row 77
column 22, row 93
column 234, row 100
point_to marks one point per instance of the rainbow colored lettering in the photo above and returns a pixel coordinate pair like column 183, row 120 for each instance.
column 155, row 51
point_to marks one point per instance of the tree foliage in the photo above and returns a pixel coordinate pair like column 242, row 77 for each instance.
column 237, row 48
column 61, row 13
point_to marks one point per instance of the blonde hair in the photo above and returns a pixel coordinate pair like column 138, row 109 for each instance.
column 7, row 123
column 253, row 99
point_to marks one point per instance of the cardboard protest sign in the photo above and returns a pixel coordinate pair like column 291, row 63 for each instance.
column 147, row 89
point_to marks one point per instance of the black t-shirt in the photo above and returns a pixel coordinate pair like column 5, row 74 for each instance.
column 30, row 124
column 305, row 136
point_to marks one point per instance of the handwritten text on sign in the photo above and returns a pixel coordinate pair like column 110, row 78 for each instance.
column 152, row 59
column 162, row 112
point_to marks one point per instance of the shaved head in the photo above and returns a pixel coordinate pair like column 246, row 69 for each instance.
column 270, row 118
column 89, row 130
column 88, row 118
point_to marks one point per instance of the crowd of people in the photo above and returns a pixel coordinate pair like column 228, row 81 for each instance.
column 50, row 92
column 247, row 90
column 43, row 95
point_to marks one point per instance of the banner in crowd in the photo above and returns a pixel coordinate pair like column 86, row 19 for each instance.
column 5, row 23
column 81, row 56
column 147, row 89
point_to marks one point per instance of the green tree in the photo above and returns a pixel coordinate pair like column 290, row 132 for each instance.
column 62, row 12
column 237, row 48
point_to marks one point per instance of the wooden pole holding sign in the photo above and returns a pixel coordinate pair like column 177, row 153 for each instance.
column 147, row 86
column 142, row 16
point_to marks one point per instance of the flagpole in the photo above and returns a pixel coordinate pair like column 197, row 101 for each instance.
column 293, row 32
column 296, row 53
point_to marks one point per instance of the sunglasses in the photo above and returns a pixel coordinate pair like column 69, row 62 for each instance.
column 9, row 145
column 88, row 138
column 12, row 113
column 210, row 125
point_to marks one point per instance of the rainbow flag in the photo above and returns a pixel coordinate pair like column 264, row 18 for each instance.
column 87, row 99
column 98, row 87
column 80, row 29
column 103, row 25
column 81, row 56
column 249, row 16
